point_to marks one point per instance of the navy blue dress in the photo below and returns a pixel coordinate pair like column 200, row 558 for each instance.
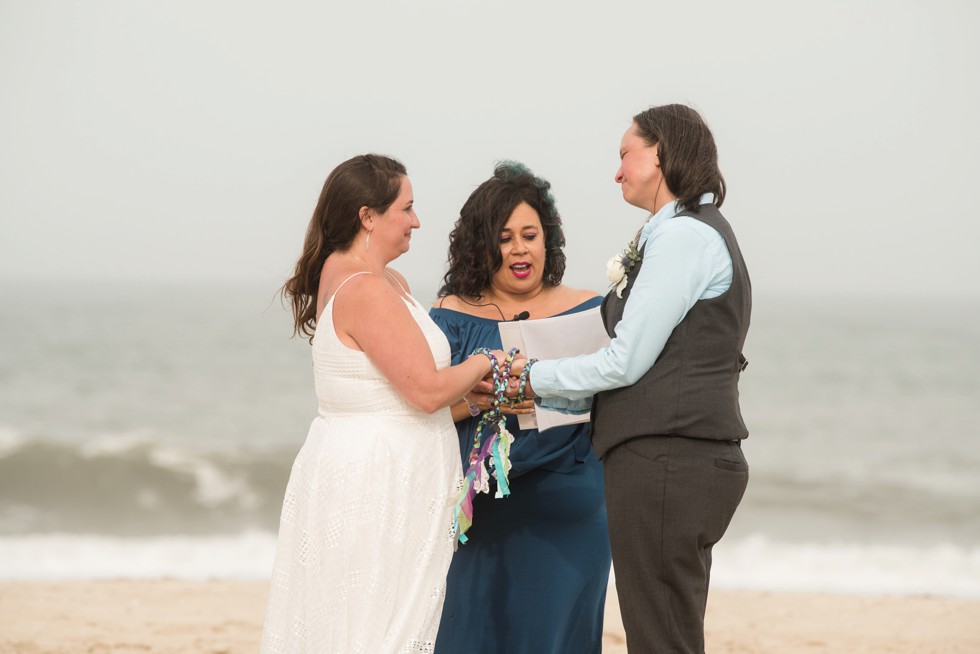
column 532, row 579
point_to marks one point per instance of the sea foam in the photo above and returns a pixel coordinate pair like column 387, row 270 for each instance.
column 755, row 563
column 758, row 562
column 248, row 555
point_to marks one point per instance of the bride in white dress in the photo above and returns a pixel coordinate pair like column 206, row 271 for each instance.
column 366, row 533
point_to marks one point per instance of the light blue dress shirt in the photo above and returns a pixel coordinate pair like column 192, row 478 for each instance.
column 685, row 261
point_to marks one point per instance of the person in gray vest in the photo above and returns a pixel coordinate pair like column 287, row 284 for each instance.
column 664, row 395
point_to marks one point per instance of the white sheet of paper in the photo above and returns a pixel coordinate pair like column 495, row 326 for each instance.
column 554, row 338
column 510, row 337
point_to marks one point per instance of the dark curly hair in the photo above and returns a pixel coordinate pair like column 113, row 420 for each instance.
column 474, row 243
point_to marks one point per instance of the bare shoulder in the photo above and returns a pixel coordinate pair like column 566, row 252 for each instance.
column 364, row 290
column 451, row 302
column 399, row 278
column 573, row 297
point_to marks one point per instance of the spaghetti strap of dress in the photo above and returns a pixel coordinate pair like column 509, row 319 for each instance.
column 412, row 302
column 337, row 290
column 404, row 290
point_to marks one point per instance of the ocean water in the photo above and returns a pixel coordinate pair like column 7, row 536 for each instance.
column 148, row 430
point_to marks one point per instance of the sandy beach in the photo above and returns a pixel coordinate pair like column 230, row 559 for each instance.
column 225, row 617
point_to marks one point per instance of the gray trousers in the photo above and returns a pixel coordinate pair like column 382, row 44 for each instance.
column 669, row 500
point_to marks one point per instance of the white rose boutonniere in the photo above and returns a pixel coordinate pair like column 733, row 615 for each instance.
column 619, row 267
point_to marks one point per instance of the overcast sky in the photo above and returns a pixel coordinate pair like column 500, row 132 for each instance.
column 189, row 140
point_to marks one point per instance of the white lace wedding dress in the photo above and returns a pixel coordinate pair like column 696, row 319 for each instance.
column 366, row 534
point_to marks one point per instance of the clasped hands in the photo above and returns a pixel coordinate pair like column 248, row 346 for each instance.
column 482, row 394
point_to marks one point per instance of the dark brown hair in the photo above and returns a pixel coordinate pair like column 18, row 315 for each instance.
column 687, row 152
column 367, row 180
column 474, row 243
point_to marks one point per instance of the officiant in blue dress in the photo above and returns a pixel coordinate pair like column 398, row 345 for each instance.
column 533, row 574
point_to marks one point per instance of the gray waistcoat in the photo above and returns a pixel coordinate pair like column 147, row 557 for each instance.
column 692, row 388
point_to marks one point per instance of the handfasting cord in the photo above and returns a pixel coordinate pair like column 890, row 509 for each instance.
column 522, row 384
column 509, row 401
column 492, row 440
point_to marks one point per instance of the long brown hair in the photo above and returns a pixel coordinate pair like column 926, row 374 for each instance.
column 367, row 180
column 687, row 152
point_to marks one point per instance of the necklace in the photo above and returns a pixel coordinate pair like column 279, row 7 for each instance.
column 397, row 285
column 354, row 256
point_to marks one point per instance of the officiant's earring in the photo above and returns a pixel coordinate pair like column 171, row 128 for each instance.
column 367, row 242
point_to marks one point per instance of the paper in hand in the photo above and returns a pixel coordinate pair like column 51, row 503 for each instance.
column 554, row 338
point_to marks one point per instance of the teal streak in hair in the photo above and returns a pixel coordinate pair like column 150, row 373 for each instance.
column 509, row 169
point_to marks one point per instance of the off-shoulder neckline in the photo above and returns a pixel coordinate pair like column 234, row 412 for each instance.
column 470, row 316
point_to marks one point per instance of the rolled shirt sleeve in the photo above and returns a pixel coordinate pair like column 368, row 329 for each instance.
column 564, row 405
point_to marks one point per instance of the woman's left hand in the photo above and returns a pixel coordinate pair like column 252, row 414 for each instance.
column 514, row 383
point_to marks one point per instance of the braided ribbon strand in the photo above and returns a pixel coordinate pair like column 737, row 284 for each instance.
column 491, row 442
